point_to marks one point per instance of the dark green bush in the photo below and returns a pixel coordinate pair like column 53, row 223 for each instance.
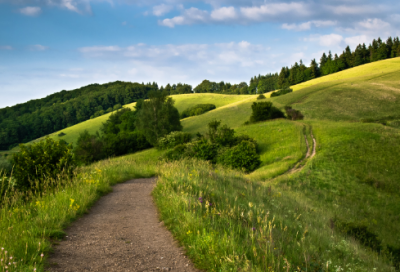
column 293, row 114
column 220, row 146
column 242, row 156
column 261, row 96
column 123, row 143
column 197, row 110
column 173, row 139
column 281, row 92
column 61, row 134
column 5, row 166
column 264, row 111
column 43, row 160
column 89, row 148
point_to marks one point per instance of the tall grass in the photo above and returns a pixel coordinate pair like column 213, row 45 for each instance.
column 228, row 223
column 29, row 221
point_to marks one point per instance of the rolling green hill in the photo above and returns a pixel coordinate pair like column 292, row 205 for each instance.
column 340, row 207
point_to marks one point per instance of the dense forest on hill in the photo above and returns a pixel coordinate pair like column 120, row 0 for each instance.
column 31, row 120
column 36, row 118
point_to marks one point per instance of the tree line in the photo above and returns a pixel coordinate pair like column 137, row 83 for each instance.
column 31, row 120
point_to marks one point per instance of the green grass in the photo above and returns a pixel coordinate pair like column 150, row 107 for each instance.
column 298, row 217
column 374, row 69
column 251, row 226
column 26, row 227
column 182, row 102
column 374, row 94
column 281, row 145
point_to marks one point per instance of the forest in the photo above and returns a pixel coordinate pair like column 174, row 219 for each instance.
column 31, row 120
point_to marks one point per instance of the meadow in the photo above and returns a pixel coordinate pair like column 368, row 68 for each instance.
column 339, row 212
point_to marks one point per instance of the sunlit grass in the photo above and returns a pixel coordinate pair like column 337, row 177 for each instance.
column 228, row 223
column 27, row 226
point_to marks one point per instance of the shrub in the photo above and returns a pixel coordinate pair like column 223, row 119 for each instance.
column 197, row 110
column 89, row 148
column 61, row 134
column 293, row 114
column 5, row 166
column 223, row 136
column 264, row 111
column 261, row 96
column 204, row 150
column 173, row 139
column 123, row 143
column 220, row 146
column 243, row 156
column 281, row 92
column 43, row 160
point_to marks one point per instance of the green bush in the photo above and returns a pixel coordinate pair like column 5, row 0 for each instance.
column 219, row 146
column 281, row 92
column 43, row 160
column 242, row 156
column 173, row 139
column 264, row 111
column 261, row 96
column 123, row 143
column 61, row 134
column 89, row 148
column 293, row 114
column 197, row 110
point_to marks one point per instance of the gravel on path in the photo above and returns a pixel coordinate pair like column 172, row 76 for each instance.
column 122, row 232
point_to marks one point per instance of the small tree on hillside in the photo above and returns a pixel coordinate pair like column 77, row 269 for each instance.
column 158, row 117
column 264, row 111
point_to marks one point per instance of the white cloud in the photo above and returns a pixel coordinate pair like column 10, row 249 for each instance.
column 161, row 9
column 354, row 41
column 354, row 10
column 263, row 12
column 189, row 16
column 307, row 25
column 330, row 40
column 223, row 14
column 30, row 11
column 38, row 47
column 374, row 24
column 6, row 47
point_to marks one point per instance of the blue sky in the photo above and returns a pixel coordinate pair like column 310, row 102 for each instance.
column 50, row 45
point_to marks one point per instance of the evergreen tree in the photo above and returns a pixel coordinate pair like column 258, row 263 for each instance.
column 382, row 51
column 314, row 69
column 323, row 61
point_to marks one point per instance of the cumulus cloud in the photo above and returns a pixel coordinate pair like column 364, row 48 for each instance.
column 354, row 41
column 307, row 25
column 264, row 12
column 224, row 14
column 191, row 60
column 354, row 10
column 30, row 11
column 162, row 9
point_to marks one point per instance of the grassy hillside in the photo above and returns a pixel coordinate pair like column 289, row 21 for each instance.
column 375, row 69
column 338, row 213
column 182, row 102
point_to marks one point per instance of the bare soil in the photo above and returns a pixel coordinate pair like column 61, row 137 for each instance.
column 121, row 232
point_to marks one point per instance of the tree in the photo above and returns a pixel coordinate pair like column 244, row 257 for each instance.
column 157, row 117
column 264, row 111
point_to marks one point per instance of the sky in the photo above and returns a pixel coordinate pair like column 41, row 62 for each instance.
column 51, row 45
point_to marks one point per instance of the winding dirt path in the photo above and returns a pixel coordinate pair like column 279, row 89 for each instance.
column 121, row 233
column 309, row 155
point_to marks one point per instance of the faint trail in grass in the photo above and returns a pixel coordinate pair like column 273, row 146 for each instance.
column 311, row 151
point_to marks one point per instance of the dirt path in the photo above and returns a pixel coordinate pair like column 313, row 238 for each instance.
column 309, row 155
column 122, row 232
